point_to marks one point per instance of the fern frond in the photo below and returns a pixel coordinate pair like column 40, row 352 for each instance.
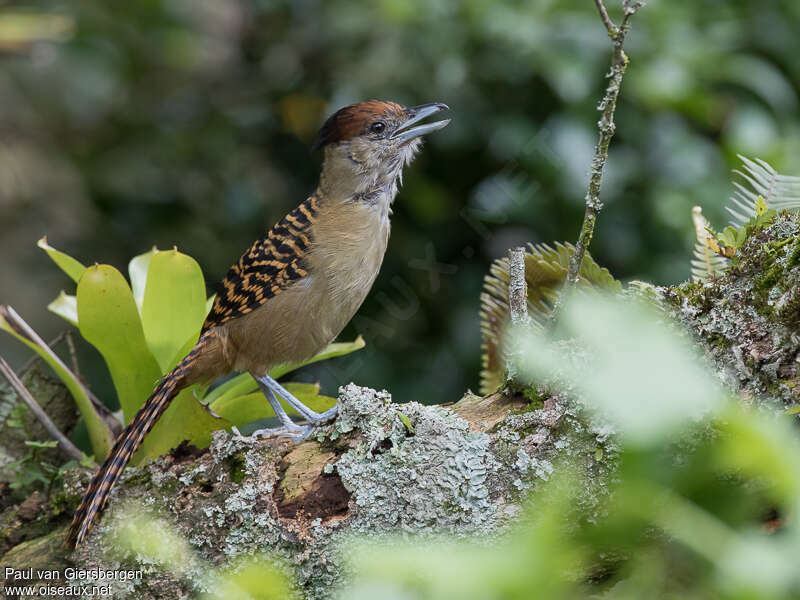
column 545, row 270
column 706, row 262
column 780, row 192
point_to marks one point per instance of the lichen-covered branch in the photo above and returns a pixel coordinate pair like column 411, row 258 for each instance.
column 380, row 470
column 606, row 127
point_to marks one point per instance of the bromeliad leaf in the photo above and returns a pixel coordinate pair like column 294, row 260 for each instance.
column 66, row 263
column 173, row 306
column 137, row 270
column 66, row 307
column 108, row 320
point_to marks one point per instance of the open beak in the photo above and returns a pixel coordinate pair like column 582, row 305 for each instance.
column 416, row 114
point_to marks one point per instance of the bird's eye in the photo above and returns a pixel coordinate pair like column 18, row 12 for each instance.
column 377, row 127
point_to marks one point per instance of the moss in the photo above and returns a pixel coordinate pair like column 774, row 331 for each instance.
column 140, row 477
column 794, row 256
column 236, row 464
column 751, row 324
column 763, row 286
column 695, row 295
column 718, row 341
column 63, row 502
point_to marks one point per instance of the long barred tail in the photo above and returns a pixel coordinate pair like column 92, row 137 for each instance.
column 126, row 445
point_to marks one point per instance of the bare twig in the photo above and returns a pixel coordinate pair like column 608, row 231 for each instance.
column 67, row 447
column 72, row 354
column 606, row 127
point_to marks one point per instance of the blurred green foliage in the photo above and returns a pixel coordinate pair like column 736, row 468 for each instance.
column 188, row 122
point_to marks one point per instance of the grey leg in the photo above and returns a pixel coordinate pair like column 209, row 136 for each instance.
column 288, row 427
column 269, row 386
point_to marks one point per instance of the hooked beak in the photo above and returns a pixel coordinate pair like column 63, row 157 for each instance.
column 405, row 132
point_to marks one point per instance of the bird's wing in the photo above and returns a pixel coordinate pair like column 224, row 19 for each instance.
column 267, row 268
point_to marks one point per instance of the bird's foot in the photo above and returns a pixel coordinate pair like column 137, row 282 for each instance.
column 271, row 387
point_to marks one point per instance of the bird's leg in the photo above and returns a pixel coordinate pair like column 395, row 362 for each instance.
column 288, row 427
column 269, row 386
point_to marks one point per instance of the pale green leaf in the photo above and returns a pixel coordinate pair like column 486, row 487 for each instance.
column 406, row 421
column 173, row 307
column 137, row 269
column 66, row 307
column 108, row 319
column 66, row 263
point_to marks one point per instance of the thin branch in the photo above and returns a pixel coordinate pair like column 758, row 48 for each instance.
column 67, row 447
column 606, row 127
column 612, row 29
column 72, row 354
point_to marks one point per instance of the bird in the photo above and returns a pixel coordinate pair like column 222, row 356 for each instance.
column 294, row 290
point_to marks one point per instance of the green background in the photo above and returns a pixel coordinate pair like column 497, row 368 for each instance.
column 189, row 122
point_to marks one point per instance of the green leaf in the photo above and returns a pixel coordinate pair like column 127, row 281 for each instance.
column 741, row 236
column 184, row 419
column 108, row 320
column 406, row 421
column 728, row 237
column 66, row 307
column 66, row 263
column 100, row 435
column 37, row 444
column 244, row 409
column 760, row 206
column 173, row 307
column 235, row 386
column 137, row 269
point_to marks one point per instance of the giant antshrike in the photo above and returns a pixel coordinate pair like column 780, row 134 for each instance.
column 297, row 287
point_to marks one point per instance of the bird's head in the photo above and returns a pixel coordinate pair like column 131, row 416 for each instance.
column 370, row 142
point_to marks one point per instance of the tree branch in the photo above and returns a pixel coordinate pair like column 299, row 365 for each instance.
column 606, row 127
